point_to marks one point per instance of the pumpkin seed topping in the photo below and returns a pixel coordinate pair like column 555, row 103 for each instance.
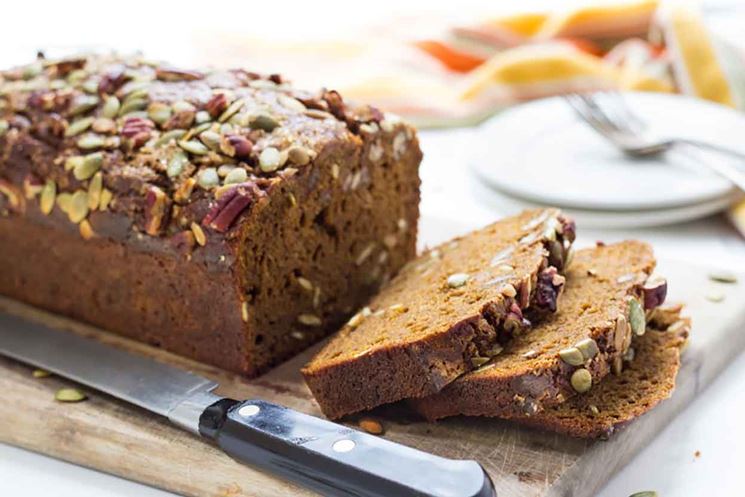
column 174, row 134
column 208, row 178
column 86, row 230
column 78, row 209
column 132, row 105
column 77, row 127
column 263, row 121
column 478, row 361
column 4, row 126
column 645, row 493
column 87, row 166
column 82, row 104
column 91, row 141
column 159, row 112
column 637, row 318
column 69, row 395
column 237, row 175
column 581, row 380
column 270, row 159
column 199, row 235
column 48, row 196
column 106, row 196
column 300, row 155
column 572, row 356
column 231, row 110
column 457, row 280
column 194, row 147
column 291, row 103
column 94, row 191
column 41, row 373
column 588, row 347
column 176, row 165
column 111, row 107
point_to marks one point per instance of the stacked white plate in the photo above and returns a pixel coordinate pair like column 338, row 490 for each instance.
column 541, row 153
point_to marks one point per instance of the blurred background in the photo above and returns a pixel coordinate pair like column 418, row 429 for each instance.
column 477, row 78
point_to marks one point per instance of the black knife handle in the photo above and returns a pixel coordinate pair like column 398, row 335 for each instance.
column 333, row 459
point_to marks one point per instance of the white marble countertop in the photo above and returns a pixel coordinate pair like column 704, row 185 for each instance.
column 700, row 452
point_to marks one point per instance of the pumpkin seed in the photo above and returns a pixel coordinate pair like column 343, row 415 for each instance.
column 477, row 361
column 202, row 117
column 231, row 110
column 194, row 147
column 86, row 230
column 714, row 296
column 457, row 280
column 182, row 106
column 208, row 178
column 111, row 107
column 40, row 373
column 63, row 201
column 637, row 318
column 78, row 209
column 106, row 197
column 90, row 86
column 211, row 139
column 88, row 166
column 309, row 320
column 94, row 191
column 270, row 159
column 82, row 104
column 645, row 493
column 77, row 76
column 177, row 163
column 299, row 155
column 581, row 380
column 594, row 409
column 588, row 347
column 69, row 395
column 159, row 113
column 91, row 141
column 77, row 127
column 48, row 196
column 132, row 104
column 4, row 126
column 174, row 134
column 291, row 103
column 237, row 175
column 199, row 235
column 104, row 125
column 225, row 169
column 572, row 356
column 723, row 276
column 263, row 121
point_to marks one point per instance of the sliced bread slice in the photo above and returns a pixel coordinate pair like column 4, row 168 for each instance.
column 647, row 379
column 567, row 351
column 445, row 314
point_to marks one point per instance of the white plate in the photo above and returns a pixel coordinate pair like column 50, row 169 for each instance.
column 542, row 152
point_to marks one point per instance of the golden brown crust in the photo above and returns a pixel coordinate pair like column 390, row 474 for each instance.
column 443, row 313
column 530, row 374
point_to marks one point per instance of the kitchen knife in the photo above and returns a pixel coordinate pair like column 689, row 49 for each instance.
column 326, row 457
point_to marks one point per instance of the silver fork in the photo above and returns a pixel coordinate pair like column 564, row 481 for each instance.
column 608, row 114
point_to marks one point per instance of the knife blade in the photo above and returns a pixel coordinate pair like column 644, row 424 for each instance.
column 326, row 457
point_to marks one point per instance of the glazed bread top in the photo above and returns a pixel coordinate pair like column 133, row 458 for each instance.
column 169, row 152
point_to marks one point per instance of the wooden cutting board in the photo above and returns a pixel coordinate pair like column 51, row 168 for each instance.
column 114, row 437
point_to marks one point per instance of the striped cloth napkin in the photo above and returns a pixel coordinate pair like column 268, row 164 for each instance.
column 461, row 74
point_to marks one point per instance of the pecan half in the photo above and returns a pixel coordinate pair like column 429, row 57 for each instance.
column 548, row 287
column 217, row 105
column 236, row 146
column 230, row 205
column 156, row 208
column 655, row 292
column 112, row 80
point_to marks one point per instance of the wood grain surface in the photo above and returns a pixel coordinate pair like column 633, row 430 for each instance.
column 111, row 436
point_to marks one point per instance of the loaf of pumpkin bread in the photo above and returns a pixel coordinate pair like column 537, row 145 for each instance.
column 445, row 314
column 222, row 215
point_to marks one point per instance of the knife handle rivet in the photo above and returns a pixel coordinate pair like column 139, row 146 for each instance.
column 344, row 445
column 248, row 411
